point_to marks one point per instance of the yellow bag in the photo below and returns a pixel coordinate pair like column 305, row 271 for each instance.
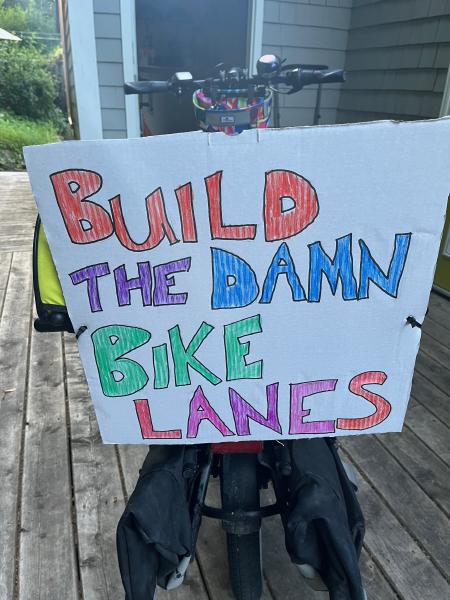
column 50, row 304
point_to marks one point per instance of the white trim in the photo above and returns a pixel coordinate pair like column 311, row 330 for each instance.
column 255, row 33
column 129, row 59
column 445, row 106
column 85, row 73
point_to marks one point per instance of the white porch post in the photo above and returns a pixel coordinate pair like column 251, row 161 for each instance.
column 84, row 57
column 255, row 33
column 130, row 66
column 445, row 105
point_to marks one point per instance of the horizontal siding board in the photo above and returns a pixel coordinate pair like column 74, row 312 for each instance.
column 406, row 79
column 112, row 97
column 114, row 119
column 428, row 56
column 443, row 34
column 313, row 32
column 292, row 116
column 307, row 99
column 109, row 50
column 107, row 6
column 333, row 58
column 394, row 34
column 107, row 26
column 315, row 16
column 384, row 58
column 442, row 57
column 268, row 49
column 397, row 59
column 110, row 74
column 307, row 37
column 439, row 7
column 425, row 104
column 271, row 12
column 109, row 134
column 389, row 12
column 441, row 78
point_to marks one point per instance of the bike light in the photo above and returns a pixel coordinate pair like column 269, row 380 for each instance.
column 182, row 77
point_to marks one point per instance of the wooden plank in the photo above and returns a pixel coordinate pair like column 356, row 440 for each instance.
column 437, row 331
column 16, row 225
column 5, row 268
column 429, row 429
column 434, row 399
column 439, row 310
column 404, row 563
column 428, row 524
column 436, row 350
column 47, row 566
column 422, row 464
column 375, row 584
column 434, row 371
column 193, row 588
column 131, row 459
column 14, row 341
column 98, row 492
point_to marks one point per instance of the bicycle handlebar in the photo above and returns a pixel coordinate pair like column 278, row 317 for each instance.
column 296, row 78
column 147, row 87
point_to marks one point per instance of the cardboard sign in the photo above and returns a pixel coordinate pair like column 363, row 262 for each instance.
column 247, row 287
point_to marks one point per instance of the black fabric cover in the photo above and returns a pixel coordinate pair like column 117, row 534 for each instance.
column 324, row 525
column 154, row 532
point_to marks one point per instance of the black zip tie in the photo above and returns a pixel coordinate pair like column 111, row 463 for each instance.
column 81, row 330
column 413, row 322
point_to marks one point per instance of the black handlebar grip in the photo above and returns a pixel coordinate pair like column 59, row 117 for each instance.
column 147, row 87
column 337, row 76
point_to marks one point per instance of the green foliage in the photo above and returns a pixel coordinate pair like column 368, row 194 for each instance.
column 29, row 86
column 32, row 16
column 16, row 132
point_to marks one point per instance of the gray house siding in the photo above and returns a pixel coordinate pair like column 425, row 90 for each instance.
column 108, row 39
column 397, row 59
column 304, row 31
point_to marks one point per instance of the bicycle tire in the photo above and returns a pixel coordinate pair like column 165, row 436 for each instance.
column 240, row 492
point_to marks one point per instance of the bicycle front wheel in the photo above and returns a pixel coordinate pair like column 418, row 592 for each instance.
column 240, row 493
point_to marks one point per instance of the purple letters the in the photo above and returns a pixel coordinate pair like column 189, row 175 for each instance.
column 90, row 274
column 163, row 282
column 142, row 282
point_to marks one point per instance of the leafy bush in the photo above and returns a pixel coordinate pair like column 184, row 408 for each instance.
column 27, row 17
column 28, row 85
column 16, row 132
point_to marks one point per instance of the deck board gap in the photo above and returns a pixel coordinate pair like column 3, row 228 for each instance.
column 121, row 473
column 6, row 284
column 16, row 589
column 384, row 574
column 73, row 507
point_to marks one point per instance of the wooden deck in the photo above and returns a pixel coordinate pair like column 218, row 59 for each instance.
column 62, row 491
